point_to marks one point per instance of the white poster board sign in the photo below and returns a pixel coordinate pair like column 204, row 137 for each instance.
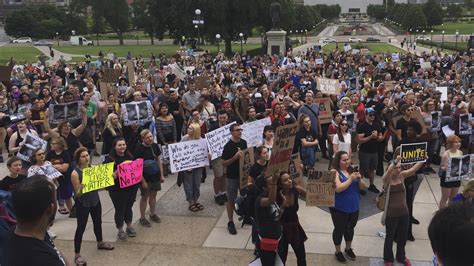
column 188, row 155
column 253, row 131
column 216, row 140
column 328, row 86
column 444, row 93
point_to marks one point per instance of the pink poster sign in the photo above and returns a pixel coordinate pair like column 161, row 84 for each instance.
column 130, row 173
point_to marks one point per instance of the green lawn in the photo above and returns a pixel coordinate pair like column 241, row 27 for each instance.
column 144, row 50
column 373, row 47
column 21, row 54
column 451, row 27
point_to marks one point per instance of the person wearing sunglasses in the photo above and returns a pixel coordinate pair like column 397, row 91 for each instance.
column 341, row 141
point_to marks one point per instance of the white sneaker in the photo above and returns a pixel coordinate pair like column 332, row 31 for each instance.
column 51, row 234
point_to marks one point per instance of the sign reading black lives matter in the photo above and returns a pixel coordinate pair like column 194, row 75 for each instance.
column 435, row 121
column 414, row 152
column 464, row 125
column 28, row 145
column 137, row 112
column 459, row 168
column 65, row 111
column 320, row 189
column 282, row 149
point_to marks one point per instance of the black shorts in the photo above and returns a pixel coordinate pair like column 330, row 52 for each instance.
column 444, row 184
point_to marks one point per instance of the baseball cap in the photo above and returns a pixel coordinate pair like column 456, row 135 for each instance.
column 369, row 110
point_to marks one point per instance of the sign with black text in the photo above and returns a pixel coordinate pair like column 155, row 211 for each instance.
column 320, row 189
column 414, row 152
column 282, row 149
column 188, row 155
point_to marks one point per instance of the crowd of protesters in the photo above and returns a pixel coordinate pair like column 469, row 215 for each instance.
column 374, row 89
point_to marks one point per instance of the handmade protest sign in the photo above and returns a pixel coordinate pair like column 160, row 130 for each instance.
column 217, row 139
column 414, row 152
column 364, row 51
column 130, row 173
column 188, row 155
column 65, row 111
column 320, row 189
column 245, row 162
column 130, row 72
column 325, row 116
column 104, row 92
column 165, row 155
column 282, row 149
column 395, row 57
column 447, row 131
column 179, row 73
column 294, row 169
column 111, row 75
column 97, row 177
column 328, row 86
column 49, row 171
column 319, row 61
column 444, row 93
column 30, row 143
column 459, row 168
column 425, row 65
column 464, row 125
column 355, row 51
column 347, row 48
column 201, row 82
column 5, row 73
column 435, row 121
column 253, row 131
column 137, row 112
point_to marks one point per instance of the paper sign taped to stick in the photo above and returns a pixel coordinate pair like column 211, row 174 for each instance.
column 245, row 162
column 252, row 132
column 188, row 155
column 97, row 177
column 130, row 173
column 414, row 152
column 137, row 112
column 459, row 168
column 217, row 139
column 295, row 170
column 328, row 86
column 282, row 149
column 320, row 189
column 65, row 111
column 465, row 127
column 30, row 143
column 325, row 116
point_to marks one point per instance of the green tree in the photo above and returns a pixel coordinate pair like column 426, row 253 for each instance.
column 142, row 18
column 20, row 23
column 414, row 18
column 116, row 14
column 376, row 11
column 47, row 28
column 433, row 13
column 454, row 11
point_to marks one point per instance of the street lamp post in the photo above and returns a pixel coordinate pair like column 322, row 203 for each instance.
column 431, row 39
column 457, row 35
column 218, row 39
column 57, row 37
column 198, row 21
column 410, row 35
column 241, row 35
column 442, row 41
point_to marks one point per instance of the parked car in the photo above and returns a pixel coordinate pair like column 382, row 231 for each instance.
column 423, row 38
column 326, row 40
column 23, row 40
column 80, row 40
column 43, row 43
column 354, row 39
column 372, row 39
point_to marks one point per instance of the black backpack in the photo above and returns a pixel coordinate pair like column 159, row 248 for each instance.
column 245, row 205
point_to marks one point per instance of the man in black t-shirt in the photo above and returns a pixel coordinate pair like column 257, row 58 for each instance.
column 369, row 134
column 230, row 159
column 34, row 201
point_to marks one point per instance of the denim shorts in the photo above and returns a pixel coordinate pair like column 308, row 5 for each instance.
column 233, row 186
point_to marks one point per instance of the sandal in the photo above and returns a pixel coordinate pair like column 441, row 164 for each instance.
column 80, row 261
column 199, row 206
column 63, row 211
column 105, row 246
column 193, row 208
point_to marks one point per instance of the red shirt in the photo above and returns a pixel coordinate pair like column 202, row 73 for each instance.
column 332, row 130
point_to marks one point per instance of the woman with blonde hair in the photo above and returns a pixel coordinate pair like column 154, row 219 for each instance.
column 112, row 131
column 467, row 193
column 449, row 189
column 192, row 178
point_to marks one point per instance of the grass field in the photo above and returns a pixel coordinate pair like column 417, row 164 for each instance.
column 21, row 54
column 144, row 50
column 373, row 47
column 451, row 27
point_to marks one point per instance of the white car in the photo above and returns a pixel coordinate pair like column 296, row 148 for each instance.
column 23, row 40
column 354, row 39
column 423, row 38
column 326, row 40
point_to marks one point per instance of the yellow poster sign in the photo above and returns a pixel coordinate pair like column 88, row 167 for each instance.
column 97, row 177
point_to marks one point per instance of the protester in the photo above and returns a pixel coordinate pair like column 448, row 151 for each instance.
column 192, row 178
column 449, row 189
column 112, row 131
column 9, row 182
column 268, row 137
column 219, row 182
column 165, row 130
column 342, row 139
column 467, row 193
column 308, row 141
column 86, row 203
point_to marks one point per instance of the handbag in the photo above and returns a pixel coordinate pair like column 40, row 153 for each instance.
column 150, row 167
column 382, row 199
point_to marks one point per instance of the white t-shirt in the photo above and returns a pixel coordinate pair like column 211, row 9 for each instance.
column 342, row 146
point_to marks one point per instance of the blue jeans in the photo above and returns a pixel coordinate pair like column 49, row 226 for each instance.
column 192, row 184
column 309, row 156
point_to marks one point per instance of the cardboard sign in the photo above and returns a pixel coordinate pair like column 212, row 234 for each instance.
column 137, row 113
column 325, row 115
column 364, row 51
column 464, row 124
column 5, row 73
column 459, row 168
column 425, row 65
column 130, row 173
column 188, row 155
column 130, row 72
column 444, row 93
column 201, row 82
column 245, row 162
column 320, row 189
column 217, row 139
column 111, row 75
column 295, row 170
column 414, row 152
column 328, row 86
column 97, row 177
column 435, row 121
column 252, row 132
column 282, row 149
column 29, row 144
column 65, row 111
column 104, row 90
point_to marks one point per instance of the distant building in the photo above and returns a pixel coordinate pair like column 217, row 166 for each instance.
column 449, row 2
column 7, row 6
column 349, row 6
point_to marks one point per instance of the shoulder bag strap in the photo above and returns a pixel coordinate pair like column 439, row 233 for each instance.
column 311, row 110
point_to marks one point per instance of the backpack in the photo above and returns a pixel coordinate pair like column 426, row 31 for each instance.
column 245, row 205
